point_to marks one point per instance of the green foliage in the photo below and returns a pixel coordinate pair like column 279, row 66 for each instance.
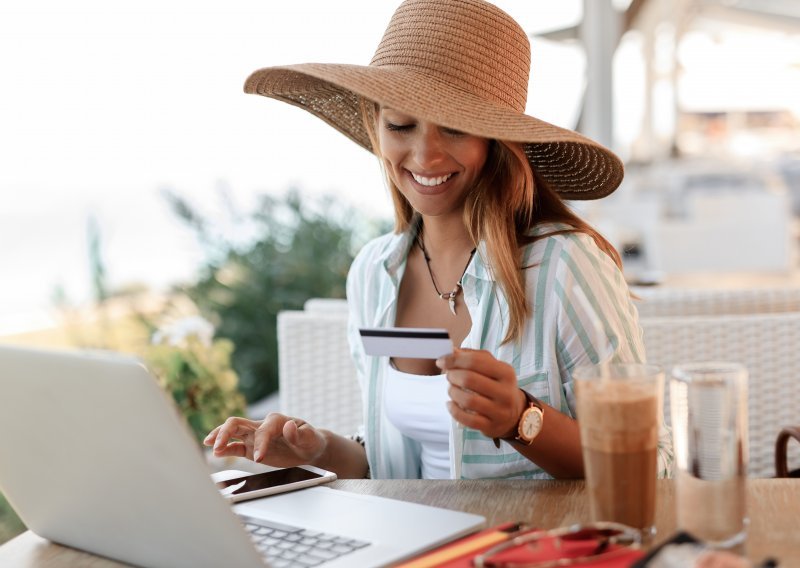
column 294, row 251
column 10, row 525
column 199, row 377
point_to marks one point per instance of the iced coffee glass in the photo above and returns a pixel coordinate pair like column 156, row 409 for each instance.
column 708, row 403
column 620, row 412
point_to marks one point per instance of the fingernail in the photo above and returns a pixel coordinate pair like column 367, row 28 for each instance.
column 257, row 456
column 440, row 362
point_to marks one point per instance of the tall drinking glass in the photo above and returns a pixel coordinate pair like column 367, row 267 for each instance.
column 619, row 413
column 709, row 426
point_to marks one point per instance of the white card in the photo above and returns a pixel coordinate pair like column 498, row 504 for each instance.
column 410, row 342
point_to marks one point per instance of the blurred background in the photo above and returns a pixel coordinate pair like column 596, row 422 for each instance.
column 149, row 206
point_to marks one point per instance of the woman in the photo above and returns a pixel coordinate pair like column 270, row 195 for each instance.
column 483, row 246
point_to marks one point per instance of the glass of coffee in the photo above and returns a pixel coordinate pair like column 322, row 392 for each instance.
column 620, row 413
column 708, row 403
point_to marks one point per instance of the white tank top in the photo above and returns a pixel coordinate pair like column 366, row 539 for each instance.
column 416, row 405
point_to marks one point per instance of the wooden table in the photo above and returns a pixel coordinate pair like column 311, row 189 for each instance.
column 773, row 509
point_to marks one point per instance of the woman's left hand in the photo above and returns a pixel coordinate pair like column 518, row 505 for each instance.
column 484, row 394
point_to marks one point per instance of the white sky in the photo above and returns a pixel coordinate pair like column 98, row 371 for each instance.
column 106, row 103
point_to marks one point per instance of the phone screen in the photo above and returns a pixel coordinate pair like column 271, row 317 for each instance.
column 266, row 480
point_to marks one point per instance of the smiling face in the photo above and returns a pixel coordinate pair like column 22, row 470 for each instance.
column 432, row 166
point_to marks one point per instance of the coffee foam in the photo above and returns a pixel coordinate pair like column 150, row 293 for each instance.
column 618, row 416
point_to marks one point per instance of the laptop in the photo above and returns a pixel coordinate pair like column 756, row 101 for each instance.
column 94, row 455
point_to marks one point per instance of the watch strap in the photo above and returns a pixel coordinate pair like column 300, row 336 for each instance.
column 531, row 402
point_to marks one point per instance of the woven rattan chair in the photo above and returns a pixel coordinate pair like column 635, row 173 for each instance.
column 326, row 305
column 768, row 345
column 661, row 302
column 316, row 376
column 781, row 452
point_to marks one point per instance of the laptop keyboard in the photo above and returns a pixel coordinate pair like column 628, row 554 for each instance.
column 285, row 545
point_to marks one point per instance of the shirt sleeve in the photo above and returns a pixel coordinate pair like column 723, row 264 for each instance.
column 597, row 320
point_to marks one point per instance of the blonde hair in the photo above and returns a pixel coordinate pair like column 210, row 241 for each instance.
column 508, row 201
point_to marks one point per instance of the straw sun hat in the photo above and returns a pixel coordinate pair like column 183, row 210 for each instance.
column 462, row 64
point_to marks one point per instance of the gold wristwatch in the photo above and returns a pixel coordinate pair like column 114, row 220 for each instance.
column 530, row 422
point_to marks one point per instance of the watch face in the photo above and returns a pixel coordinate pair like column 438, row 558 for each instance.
column 532, row 424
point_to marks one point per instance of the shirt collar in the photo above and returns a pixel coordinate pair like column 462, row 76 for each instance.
column 396, row 251
column 395, row 254
column 479, row 268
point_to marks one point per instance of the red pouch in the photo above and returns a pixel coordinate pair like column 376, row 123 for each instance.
column 460, row 554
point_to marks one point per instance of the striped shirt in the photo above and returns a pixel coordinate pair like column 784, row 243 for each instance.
column 557, row 337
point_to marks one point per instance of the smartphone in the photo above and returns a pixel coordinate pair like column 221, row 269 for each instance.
column 256, row 485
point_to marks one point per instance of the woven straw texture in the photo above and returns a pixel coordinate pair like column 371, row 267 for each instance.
column 463, row 64
column 326, row 305
column 316, row 376
column 766, row 344
column 661, row 302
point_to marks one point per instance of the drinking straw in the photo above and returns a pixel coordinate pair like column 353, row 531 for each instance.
column 597, row 329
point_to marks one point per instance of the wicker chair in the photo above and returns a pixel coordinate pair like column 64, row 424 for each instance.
column 766, row 344
column 316, row 376
column 669, row 302
column 326, row 305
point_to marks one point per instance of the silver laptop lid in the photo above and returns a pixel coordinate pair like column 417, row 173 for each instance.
column 95, row 456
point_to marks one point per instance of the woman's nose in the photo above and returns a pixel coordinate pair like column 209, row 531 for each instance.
column 428, row 148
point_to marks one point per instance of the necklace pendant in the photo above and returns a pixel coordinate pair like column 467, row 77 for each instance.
column 452, row 298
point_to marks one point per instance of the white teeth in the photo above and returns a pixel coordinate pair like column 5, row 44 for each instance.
column 430, row 182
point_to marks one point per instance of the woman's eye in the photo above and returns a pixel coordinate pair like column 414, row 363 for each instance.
column 398, row 127
column 453, row 132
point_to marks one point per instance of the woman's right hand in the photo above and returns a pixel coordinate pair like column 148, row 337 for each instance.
column 278, row 440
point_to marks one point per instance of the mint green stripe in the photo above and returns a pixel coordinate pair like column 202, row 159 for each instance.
column 583, row 337
column 470, row 434
column 493, row 459
column 609, row 332
column 591, row 255
column 487, row 319
column 538, row 305
column 577, row 274
column 535, row 474
column 568, row 365
column 516, row 356
column 535, row 378
column 565, row 355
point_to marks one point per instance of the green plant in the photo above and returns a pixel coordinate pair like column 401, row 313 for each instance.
column 292, row 250
column 10, row 525
column 196, row 371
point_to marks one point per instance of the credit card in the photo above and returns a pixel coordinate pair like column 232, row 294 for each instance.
column 410, row 342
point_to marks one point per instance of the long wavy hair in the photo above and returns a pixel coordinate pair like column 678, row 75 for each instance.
column 507, row 202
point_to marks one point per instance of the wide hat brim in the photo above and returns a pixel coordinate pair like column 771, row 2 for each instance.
column 574, row 166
